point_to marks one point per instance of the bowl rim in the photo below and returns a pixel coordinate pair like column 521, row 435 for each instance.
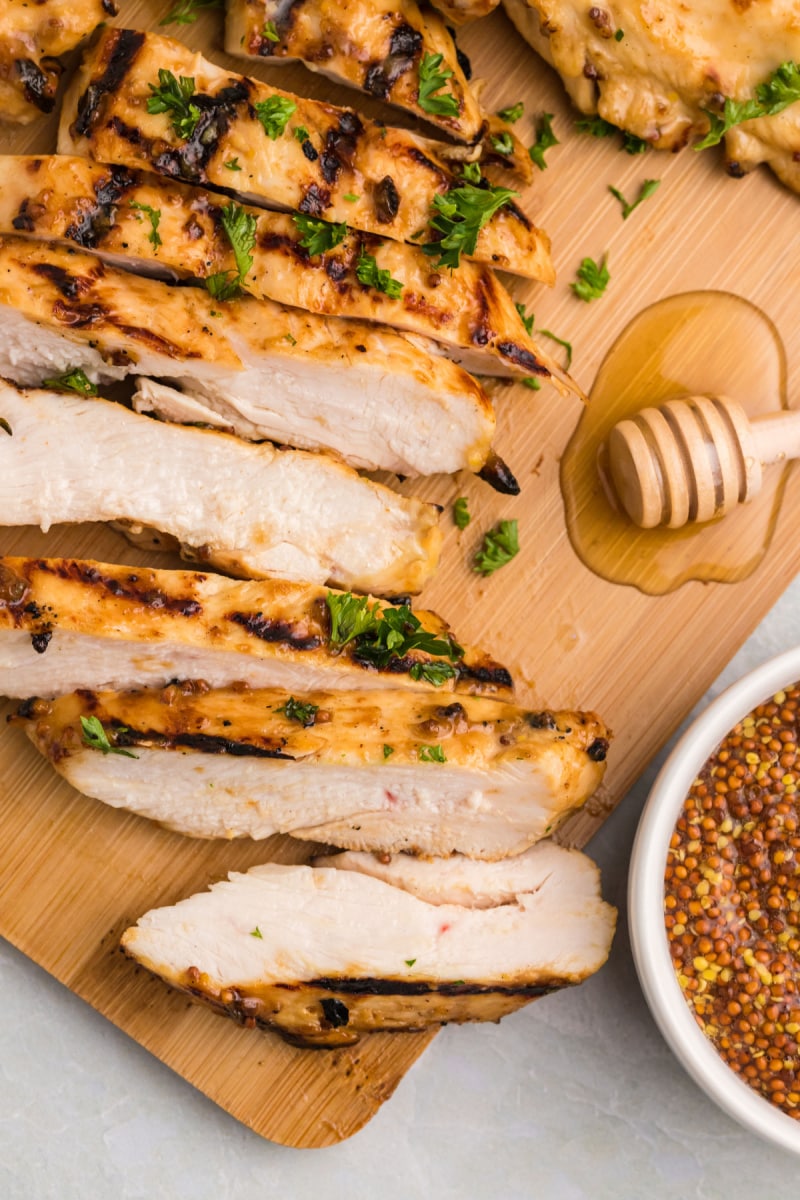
column 646, row 902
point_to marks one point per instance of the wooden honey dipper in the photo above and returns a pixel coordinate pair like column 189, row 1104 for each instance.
column 694, row 459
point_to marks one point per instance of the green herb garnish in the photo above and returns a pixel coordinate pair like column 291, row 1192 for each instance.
column 256, row 933
column 619, row 35
column 174, row 96
column 512, row 114
column 294, row 710
column 436, row 673
column 461, row 514
column 632, row 144
column 781, row 89
column 527, row 321
column 502, row 143
column 387, row 750
column 383, row 634
column 185, row 12
column 530, row 381
column 301, row 133
column 459, row 216
column 431, row 81
column 545, row 138
column 233, row 164
column 592, row 279
column 499, row 546
column 596, row 126
column 287, row 337
column 270, row 32
column 351, row 197
column 431, row 754
column 410, row 962
column 647, row 189
column 94, row 735
column 154, row 214
column 240, row 230
column 319, row 236
column 274, row 114
column 369, row 273
column 74, row 380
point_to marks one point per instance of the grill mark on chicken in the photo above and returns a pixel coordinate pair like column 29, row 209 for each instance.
column 39, row 85
column 205, row 743
column 96, row 218
column 404, row 48
column 404, row 987
column 315, row 200
column 269, row 630
column 70, row 286
column 124, row 49
column 149, row 597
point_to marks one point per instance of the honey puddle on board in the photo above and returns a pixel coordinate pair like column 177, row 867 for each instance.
column 698, row 343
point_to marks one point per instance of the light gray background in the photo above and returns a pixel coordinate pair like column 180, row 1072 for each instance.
column 574, row 1097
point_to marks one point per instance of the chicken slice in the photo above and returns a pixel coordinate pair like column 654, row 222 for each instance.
column 249, row 366
column 324, row 955
column 392, row 173
column 390, row 771
column 377, row 46
column 466, row 312
column 68, row 623
column 32, row 36
column 657, row 70
column 251, row 510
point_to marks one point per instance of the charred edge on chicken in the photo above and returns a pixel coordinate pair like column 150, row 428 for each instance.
column 14, row 588
column 124, row 47
column 39, row 85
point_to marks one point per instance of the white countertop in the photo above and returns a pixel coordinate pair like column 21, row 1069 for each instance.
column 574, row 1097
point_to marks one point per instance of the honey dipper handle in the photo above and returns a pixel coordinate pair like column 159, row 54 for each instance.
column 776, row 436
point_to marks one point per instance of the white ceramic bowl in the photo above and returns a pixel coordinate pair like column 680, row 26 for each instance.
column 646, row 903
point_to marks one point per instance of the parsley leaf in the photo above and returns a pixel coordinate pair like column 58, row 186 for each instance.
column 384, row 634
column 94, row 735
column 431, row 754
column 632, row 144
column 233, row 164
column 154, row 237
column 350, row 197
column 527, row 321
column 73, row 380
column 256, row 933
column 288, row 337
column 781, row 89
column 512, row 114
column 301, row 133
column 545, row 138
column 368, row 273
column 648, row 187
column 350, row 617
column 459, row 216
column 319, row 236
column 596, row 126
column 502, row 143
column 173, row 96
column 387, row 750
column 592, row 279
column 432, row 80
column 185, row 12
column 471, row 171
column 240, row 229
column 274, row 114
column 295, row 710
column 270, row 32
column 461, row 514
column 530, row 381
column 410, row 962
column 499, row 546
column 436, row 673
column 619, row 35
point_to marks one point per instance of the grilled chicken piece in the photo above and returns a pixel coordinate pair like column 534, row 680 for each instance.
column 467, row 312
column 68, row 623
column 324, row 955
column 32, row 35
column 252, row 367
column 390, row 771
column 377, row 46
column 458, row 12
column 251, row 510
column 391, row 172
column 672, row 66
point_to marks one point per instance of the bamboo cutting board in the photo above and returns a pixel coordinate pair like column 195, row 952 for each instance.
column 73, row 873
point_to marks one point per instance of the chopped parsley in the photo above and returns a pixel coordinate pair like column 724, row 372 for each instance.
column 512, row 114
column 319, row 236
column 460, row 215
column 185, row 11
column 387, row 750
column 502, row 143
column 294, row 710
column 256, row 933
column 530, row 381
column 781, row 89
column 233, row 164
column 499, row 546
column 545, row 138
column 74, row 380
column 648, row 187
column 274, row 114
column 431, row 80
column 592, row 279
column 619, row 35
column 174, row 96
column 240, row 230
column 431, row 754
column 382, row 635
column 527, row 321
column 632, row 144
column 370, row 274
column 410, row 962
column 4, row 425
column 270, row 32
column 154, row 215
column 351, row 197
column 287, row 337
column 461, row 514
column 94, row 735
column 301, row 133
column 597, row 126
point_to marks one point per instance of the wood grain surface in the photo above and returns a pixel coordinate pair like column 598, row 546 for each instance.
column 73, row 874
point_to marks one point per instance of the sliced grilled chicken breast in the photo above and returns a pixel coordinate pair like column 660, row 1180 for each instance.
column 32, row 35
column 233, row 119
column 68, row 623
column 378, row 46
column 391, row 771
column 249, row 366
column 104, row 209
column 324, row 955
column 251, row 510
